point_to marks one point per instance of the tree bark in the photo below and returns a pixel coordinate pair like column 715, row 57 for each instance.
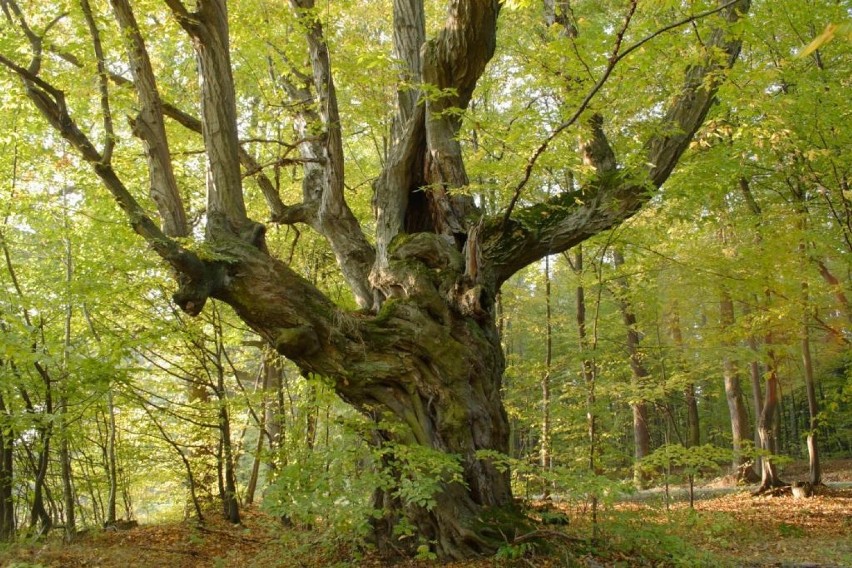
column 588, row 373
column 40, row 520
column 218, row 359
column 813, row 405
column 767, row 426
column 409, row 35
column 546, row 451
column 230, row 505
column 149, row 125
column 693, row 431
column 7, row 447
column 257, row 458
column 112, row 462
column 734, row 394
column 64, row 434
column 641, row 434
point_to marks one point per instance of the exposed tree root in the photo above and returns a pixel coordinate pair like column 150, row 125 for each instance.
column 775, row 490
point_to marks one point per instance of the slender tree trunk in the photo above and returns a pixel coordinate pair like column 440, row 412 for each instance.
column 768, row 426
column 693, row 427
column 788, row 425
column 813, row 405
column 67, row 473
column 311, row 412
column 112, row 466
column 251, row 487
column 756, row 379
column 693, row 430
column 693, row 434
column 40, row 520
column 7, row 447
column 226, row 466
column 39, row 516
column 546, row 452
column 734, row 395
column 641, row 435
column 64, row 433
column 766, row 418
column 837, row 289
column 588, row 370
column 229, row 498
column 276, row 411
column 111, row 461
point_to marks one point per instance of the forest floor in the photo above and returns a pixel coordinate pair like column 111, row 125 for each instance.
column 732, row 529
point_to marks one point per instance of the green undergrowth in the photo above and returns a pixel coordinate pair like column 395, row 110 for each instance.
column 627, row 538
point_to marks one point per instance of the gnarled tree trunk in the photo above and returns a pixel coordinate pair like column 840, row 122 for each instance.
column 423, row 353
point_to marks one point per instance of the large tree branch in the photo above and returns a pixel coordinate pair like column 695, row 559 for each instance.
column 403, row 168
column 196, row 278
column 612, row 197
column 617, row 56
column 208, row 28
column 103, row 80
column 412, row 192
column 409, row 35
column 323, row 187
column 452, row 64
column 687, row 112
column 278, row 211
column 150, row 127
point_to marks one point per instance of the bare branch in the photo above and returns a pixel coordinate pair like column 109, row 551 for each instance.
column 103, row 81
column 322, row 186
column 50, row 101
column 613, row 61
column 279, row 213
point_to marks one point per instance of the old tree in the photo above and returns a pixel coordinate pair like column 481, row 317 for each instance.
column 421, row 353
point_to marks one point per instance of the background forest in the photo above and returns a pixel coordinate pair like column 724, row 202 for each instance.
column 665, row 347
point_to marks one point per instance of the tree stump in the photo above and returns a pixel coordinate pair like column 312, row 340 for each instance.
column 802, row 489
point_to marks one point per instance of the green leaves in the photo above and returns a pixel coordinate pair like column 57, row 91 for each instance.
column 416, row 473
column 688, row 461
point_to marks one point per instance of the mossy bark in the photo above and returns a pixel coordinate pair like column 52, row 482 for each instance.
column 428, row 362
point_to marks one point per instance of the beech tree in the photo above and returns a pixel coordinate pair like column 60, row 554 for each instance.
column 421, row 354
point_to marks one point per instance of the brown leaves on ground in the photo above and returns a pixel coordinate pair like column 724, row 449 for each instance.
column 177, row 545
column 735, row 529
column 765, row 531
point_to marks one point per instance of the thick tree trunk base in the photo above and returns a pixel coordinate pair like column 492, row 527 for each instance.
column 454, row 529
column 774, row 488
column 746, row 475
